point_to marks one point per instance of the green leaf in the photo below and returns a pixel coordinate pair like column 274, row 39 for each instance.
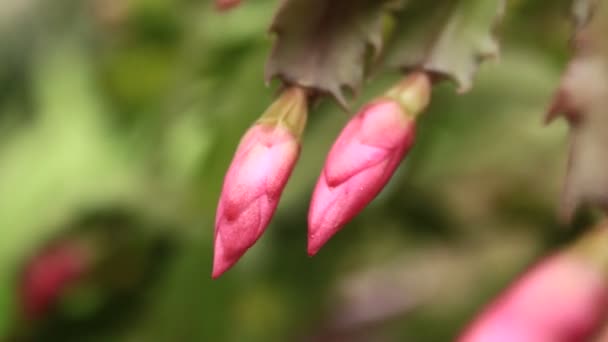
column 446, row 37
column 323, row 44
column 583, row 99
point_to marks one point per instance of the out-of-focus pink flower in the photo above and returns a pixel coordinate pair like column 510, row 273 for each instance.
column 224, row 5
column 364, row 157
column 257, row 175
column 562, row 299
column 47, row 275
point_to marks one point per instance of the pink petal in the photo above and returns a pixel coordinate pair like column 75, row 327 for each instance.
column 333, row 207
column 367, row 139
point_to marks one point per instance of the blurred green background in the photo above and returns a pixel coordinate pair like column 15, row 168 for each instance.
column 118, row 119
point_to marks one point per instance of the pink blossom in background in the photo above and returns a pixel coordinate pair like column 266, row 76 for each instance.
column 360, row 163
column 47, row 275
column 224, row 5
column 562, row 299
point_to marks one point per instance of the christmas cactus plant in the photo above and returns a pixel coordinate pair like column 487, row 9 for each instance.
column 392, row 180
column 323, row 48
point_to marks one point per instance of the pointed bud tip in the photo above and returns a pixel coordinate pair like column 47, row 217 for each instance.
column 220, row 267
column 221, row 262
column 313, row 247
column 215, row 274
column 319, row 233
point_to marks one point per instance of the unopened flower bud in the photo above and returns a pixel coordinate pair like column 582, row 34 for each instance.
column 257, row 175
column 364, row 158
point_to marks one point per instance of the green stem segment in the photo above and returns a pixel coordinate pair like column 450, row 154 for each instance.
column 413, row 93
column 289, row 110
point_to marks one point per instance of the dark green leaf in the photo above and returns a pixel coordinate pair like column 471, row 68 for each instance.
column 322, row 44
column 446, row 37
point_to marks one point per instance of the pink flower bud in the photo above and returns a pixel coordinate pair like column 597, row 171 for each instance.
column 256, row 178
column 364, row 158
column 562, row 299
column 47, row 275
column 359, row 165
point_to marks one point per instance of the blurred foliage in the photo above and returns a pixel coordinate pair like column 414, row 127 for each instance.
column 132, row 109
